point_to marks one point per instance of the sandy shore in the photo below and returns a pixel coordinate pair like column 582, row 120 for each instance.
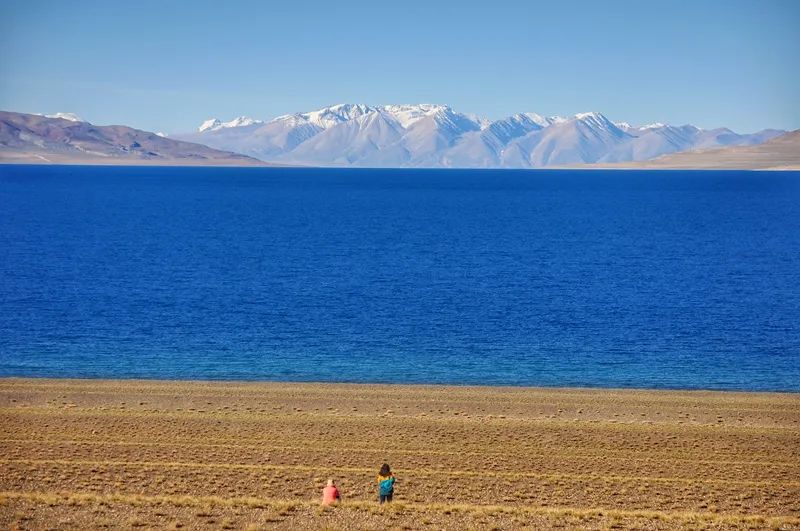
column 122, row 454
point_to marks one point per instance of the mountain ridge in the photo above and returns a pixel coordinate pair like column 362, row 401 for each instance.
column 435, row 135
column 65, row 139
column 778, row 153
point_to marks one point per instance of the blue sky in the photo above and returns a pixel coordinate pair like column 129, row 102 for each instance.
column 168, row 65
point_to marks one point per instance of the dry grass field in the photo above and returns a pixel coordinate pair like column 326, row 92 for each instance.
column 141, row 454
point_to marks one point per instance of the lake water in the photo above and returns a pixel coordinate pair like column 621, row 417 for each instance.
column 595, row 278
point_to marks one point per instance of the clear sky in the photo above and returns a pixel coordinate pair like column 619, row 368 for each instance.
column 166, row 65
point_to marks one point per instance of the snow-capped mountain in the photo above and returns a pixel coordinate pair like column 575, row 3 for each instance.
column 327, row 117
column 72, row 117
column 585, row 138
column 214, row 124
column 428, row 135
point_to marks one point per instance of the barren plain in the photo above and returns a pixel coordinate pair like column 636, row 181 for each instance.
column 195, row 455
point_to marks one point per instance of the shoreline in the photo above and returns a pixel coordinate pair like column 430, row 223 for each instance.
column 127, row 163
column 420, row 385
column 155, row 453
column 264, row 164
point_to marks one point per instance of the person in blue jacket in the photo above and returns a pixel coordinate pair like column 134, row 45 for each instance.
column 385, row 484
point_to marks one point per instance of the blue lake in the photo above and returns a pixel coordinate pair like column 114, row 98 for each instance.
column 557, row 278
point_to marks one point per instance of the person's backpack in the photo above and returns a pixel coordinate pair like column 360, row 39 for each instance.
column 387, row 486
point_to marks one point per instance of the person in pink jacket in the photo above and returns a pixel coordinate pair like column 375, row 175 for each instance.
column 330, row 494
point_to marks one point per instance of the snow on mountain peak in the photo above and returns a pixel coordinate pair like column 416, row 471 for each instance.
column 596, row 120
column 214, row 124
column 348, row 109
column 72, row 117
column 538, row 119
column 501, row 132
column 241, row 121
column 407, row 115
column 327, row 117
column 209, row 125
column 655, row 125
column 593, row 117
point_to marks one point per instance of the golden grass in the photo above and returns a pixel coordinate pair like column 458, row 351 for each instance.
column 185, row 465
column 232, row 455
column 209, row 502
column 624, row 455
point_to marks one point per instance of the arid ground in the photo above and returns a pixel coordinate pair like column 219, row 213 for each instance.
column 145, row 454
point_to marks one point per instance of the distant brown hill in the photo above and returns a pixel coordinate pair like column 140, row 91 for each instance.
column 780, row 153
column 30, row 138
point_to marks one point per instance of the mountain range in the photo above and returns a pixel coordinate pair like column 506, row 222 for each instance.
column 64, row 138
column 779, row 153
column 398, row 136
column 428, row 135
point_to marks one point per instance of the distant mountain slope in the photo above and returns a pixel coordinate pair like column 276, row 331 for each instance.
column 782, row 152
column 26, row 138
column 428, row 135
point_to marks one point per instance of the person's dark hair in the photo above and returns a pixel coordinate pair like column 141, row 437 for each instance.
column 385, row 470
